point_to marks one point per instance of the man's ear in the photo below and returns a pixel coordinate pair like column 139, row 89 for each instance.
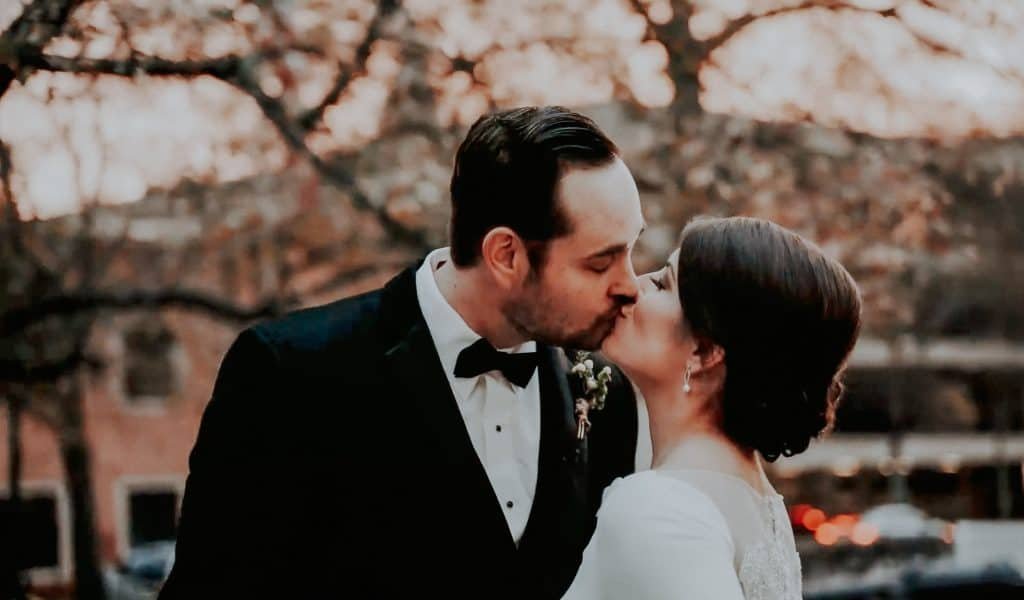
column 504, row 255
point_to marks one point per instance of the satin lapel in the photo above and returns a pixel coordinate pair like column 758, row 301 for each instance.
column 559, row 506
column 418, row 382
column 556, row 397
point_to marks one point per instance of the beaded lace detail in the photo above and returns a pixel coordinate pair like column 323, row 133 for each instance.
column 770, row 568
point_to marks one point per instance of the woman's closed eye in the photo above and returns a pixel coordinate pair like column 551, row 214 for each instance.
column 658, row 279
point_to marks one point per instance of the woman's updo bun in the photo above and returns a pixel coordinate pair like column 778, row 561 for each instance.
column 787, row 318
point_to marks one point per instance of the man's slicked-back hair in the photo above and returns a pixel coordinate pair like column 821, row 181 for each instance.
column 507, row 172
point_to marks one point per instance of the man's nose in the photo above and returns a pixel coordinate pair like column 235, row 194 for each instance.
column 627, row 288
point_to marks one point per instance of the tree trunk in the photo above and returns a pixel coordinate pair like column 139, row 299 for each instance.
column 78, row 478
column 14, row 449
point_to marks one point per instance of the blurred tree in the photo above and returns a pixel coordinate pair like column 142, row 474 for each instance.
column 56, row 283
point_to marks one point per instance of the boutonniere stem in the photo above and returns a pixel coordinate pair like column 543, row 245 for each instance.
column 595, row 390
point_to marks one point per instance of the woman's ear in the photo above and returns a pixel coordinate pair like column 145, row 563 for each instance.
column 707, row 355
column 504, row 254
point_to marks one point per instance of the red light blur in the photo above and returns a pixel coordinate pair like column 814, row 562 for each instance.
column 844, row 523
column 864, row 534
column 827, row 534
column 797, row 512
column 813, row 519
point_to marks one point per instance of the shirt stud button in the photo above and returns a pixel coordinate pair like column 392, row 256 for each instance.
column 509, row 504
column 498, row 428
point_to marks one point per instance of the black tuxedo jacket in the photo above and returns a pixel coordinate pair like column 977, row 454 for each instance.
column 332, row 462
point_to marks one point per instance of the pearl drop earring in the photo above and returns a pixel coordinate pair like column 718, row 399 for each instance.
column 686, row 381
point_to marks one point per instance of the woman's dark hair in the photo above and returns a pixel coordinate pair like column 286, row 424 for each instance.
column 787, row 318
column 507, row 172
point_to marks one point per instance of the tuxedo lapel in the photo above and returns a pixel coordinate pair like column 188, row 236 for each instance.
column 558, row 526
column 558, row 518
column 558, row 412
column 417, row 377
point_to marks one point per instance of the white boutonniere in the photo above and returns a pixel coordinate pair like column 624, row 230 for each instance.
column 595, row 391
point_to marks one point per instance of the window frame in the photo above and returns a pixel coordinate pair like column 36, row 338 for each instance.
column 127, row 485
column 50, row 488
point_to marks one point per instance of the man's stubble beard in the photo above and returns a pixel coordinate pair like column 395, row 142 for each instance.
column 530, row 315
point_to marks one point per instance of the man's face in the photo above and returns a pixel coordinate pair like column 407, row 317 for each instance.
column 574, row 298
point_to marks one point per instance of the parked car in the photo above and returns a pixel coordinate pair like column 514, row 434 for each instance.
column 994, row 583
column 142, row 573
column 902, row 521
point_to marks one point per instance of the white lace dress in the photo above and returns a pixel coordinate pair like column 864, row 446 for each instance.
column 688, row 534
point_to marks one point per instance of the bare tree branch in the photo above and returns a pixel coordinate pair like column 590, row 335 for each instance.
column 334, row 172
column 13, row 230
column 37, row 24
column 223, row 67
column 684, row 51
column 713, row 43
column 239, row 71
column 150, row 65
column 688, row 54
column 385, row 9
column 18, row 371
column 11, row 220
column 939, row 46
column 40, row 21
column 352, row 275
column 16, row 320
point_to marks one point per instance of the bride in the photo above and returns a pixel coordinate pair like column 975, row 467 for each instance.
column 737, row 346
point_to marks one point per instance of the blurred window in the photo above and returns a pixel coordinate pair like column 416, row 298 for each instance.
column 35, row 527
column 152, row 516
column 148, row 369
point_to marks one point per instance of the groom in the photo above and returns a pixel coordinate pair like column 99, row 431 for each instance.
column 381, row 447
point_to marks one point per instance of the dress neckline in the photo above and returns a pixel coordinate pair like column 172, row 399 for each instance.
column 768, row 494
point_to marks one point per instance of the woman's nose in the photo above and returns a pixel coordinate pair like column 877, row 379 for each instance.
column 646, row 284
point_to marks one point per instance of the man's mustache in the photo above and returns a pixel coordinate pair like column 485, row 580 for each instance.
column 623, row 306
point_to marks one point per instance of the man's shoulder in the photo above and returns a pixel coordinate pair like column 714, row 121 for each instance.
column 326, row 327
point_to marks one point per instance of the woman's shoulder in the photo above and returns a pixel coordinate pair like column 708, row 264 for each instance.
column 652, row 498
column 646, row 486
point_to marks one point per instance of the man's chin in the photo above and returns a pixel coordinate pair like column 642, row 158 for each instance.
column 610, row 343
column 594, row 339
column 587, row 344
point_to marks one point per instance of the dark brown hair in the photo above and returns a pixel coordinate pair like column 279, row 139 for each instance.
column 787, row 317
column 507, row 172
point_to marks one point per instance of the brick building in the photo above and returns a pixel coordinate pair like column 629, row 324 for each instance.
column 270, row 237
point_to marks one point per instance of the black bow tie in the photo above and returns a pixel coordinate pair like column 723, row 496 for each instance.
column 481, row 357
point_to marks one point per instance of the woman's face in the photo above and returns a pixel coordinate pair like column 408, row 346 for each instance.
column 651, row 342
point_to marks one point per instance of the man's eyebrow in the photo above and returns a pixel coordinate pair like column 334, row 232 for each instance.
column 610, row 251
column 617, row 248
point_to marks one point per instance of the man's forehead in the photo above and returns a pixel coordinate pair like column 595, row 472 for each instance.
column 601, row 205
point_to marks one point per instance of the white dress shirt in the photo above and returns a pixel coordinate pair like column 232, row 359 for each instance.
column 503, row 420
